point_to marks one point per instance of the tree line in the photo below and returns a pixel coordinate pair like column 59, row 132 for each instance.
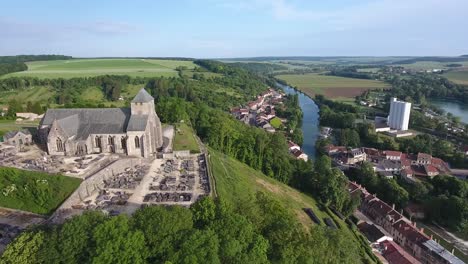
column 207, row 232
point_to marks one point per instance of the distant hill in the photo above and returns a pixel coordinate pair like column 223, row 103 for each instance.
column 436, row 59
column 26, row 58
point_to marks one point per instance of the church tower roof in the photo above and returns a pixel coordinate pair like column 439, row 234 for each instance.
column 142, row 97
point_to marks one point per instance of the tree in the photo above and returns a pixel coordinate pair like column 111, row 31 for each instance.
column 161, row 226
column 204, row 211
column 117, row 243
column 25, row 249
column 197, row 246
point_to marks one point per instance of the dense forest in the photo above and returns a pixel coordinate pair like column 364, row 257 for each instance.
column 421, row 86
column 209, row 232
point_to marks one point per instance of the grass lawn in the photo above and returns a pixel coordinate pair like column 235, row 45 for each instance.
column 237, row 182
column 35, row 192
column 94, row 67
column 185, row 139
column 9, row 125
column 330, row 86
column 275, row 122
column 460, row 77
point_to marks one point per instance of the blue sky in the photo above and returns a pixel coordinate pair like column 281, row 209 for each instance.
column 234, row 28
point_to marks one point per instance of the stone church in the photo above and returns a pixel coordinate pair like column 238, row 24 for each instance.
column 75, row 132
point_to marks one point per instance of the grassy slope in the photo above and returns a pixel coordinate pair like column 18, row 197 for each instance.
column 184, row 139
column 237, row 182
column 312, row 83
column 95, row 67
column 35, row 191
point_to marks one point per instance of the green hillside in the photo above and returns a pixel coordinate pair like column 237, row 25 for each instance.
column 95, row 67
column 238, row 184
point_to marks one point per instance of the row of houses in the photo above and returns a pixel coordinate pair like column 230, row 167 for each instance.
column 390, row 229
column 389, row 163
column 261, row 112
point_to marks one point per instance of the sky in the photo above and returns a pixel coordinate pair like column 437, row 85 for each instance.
column 234, row 28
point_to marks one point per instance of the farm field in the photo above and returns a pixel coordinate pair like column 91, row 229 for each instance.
column 185, row 139
column 330, row 86
column 460, row 77
column 94, row 67
column 237, row 184
column 34, row 192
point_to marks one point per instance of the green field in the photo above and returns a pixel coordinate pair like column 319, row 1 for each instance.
column 35, row 192
column 460, row 77
column 185, row 139
column 94, row 67
column 237, row 184
column 330, row 86
column 9, row 125
column 276, row 122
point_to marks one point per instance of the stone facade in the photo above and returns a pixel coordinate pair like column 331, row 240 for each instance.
column 75, row 132
column 18, row 138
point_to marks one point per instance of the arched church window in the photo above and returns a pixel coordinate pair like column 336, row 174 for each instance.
column 137, row 142
column 110, row 141
column 123, row 142
column 59, row 145
column 97, row 142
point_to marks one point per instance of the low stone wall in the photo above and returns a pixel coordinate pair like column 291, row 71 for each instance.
column 182, row 153
column 95, row 182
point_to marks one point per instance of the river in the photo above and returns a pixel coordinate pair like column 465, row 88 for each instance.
column 457, row 108
column 310, row 120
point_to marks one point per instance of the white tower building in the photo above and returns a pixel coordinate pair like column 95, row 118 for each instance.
column 399, row 114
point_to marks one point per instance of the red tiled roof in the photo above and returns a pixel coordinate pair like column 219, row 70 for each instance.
column 392, row 153
column 410, row 232
column 424, row 156
column 380, row 207
column 292, row 144
column 404, row 161
column 297, row 153
column 430, row 168
column 408, row 171
column 394, row 254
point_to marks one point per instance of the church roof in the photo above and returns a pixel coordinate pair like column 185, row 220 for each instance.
column 83, row 122
column 142, row 97
column 12, row 134
column 137, row 123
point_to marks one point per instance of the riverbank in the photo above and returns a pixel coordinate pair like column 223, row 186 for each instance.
column 310, row 121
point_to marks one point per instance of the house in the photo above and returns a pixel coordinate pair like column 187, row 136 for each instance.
column 409, row 238
column 423, row 159
column 18, row 139
column 394, row 254
column 465, row 150
column 330, row 149
column 407, row 174
column 355, row 155
column 431, row 171
column 29, row 116
column 392, row 155
column 435, row 253
column 300, row 155
column 293, row 146
column 389, row 165
column 373, row 233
